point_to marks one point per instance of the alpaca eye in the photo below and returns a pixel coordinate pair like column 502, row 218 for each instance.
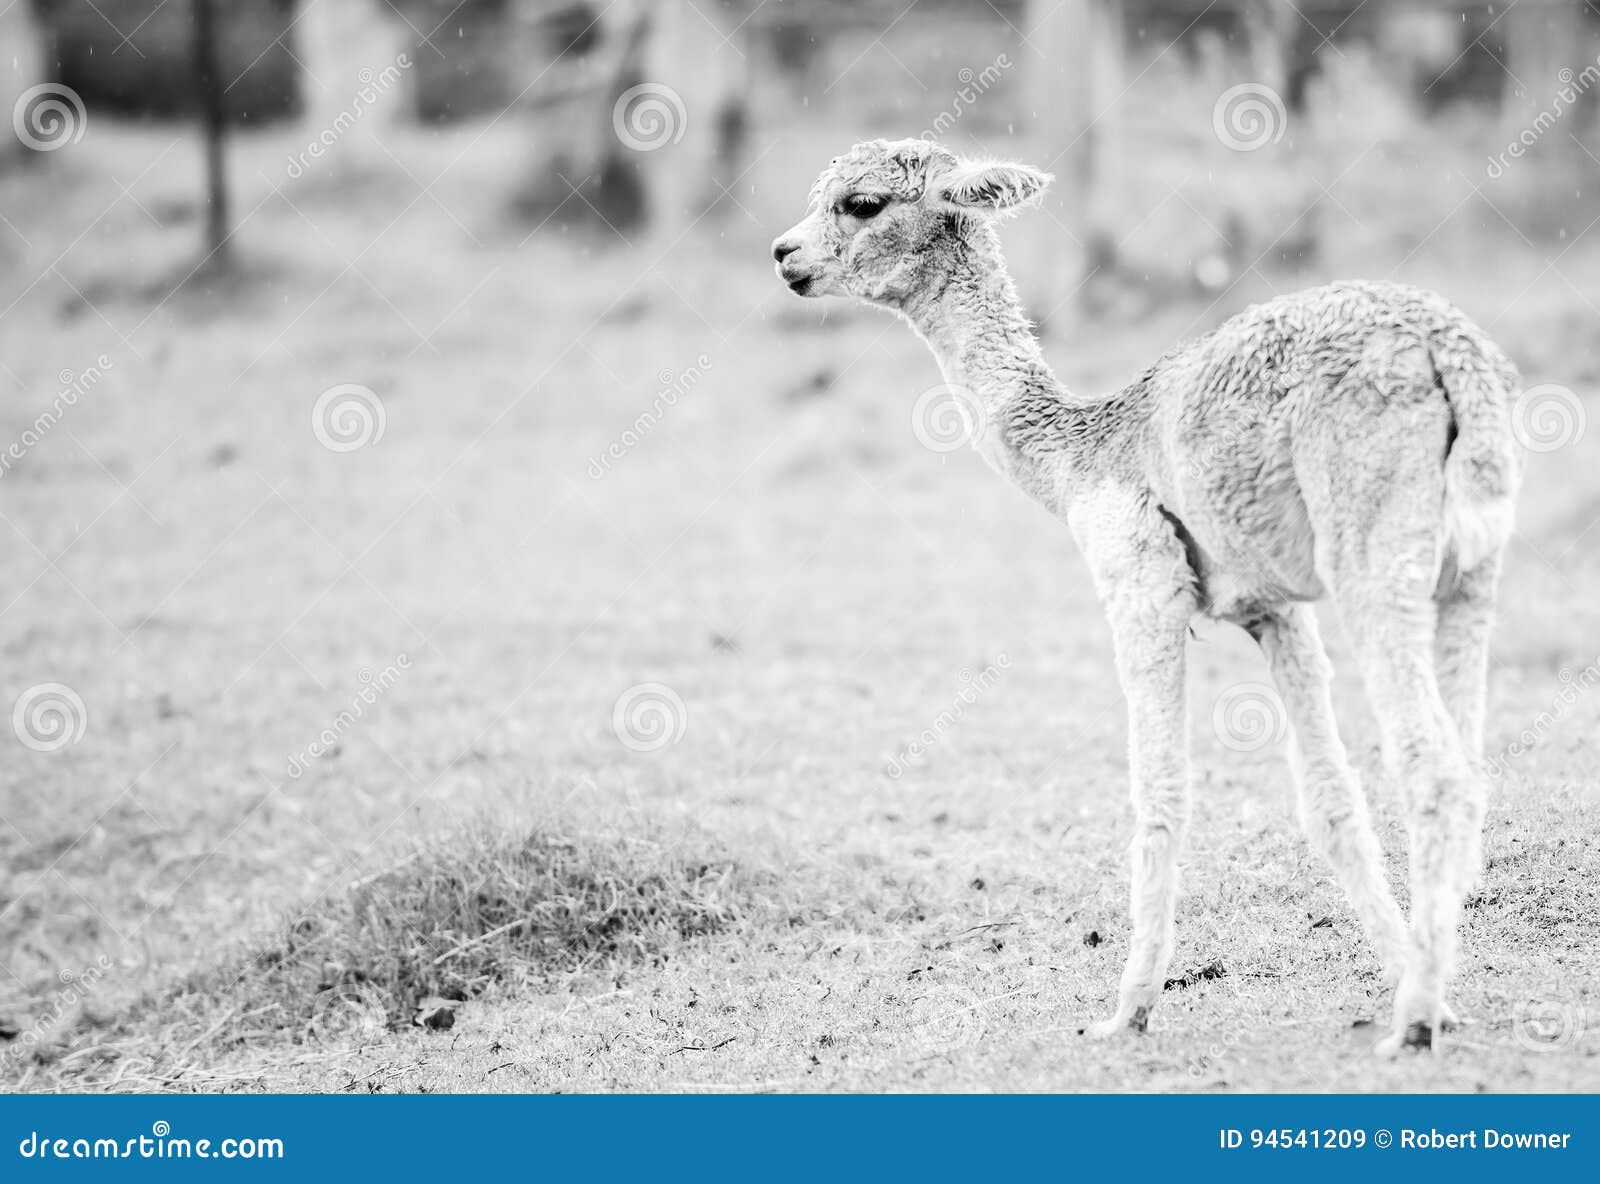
column 864, row 206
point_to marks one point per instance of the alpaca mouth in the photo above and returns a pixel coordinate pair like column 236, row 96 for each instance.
column 799, row 282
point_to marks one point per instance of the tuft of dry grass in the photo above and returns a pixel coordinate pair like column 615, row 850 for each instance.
column 482, row 910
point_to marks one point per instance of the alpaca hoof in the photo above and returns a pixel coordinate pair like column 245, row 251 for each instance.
column 1136, row 1021
column 1417, row 1037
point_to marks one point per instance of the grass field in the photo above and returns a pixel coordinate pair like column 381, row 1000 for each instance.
column 761, row 902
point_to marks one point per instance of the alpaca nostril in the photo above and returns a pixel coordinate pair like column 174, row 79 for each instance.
column 781, row 250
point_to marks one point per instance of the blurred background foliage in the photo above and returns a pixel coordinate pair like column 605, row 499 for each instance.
column 1117, row 96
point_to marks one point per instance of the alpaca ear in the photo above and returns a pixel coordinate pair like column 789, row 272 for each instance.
column 995, row 188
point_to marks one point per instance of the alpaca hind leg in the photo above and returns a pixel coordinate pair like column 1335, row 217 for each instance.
column 1461, row 657
column 1374, row 493
column 1333, row 809
column 1444, row 799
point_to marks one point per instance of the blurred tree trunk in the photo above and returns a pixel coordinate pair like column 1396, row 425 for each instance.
column 213, row 123
column 1073, row 85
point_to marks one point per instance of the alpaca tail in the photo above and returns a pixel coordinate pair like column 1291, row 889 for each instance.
column 1483, row 465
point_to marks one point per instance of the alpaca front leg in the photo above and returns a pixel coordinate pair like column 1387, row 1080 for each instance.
column 1150, row 661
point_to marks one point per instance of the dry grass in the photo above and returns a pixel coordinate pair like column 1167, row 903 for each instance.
column 461, row 916
column 474, row 913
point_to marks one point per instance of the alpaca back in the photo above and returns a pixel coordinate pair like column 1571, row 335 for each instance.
column 1231, row 427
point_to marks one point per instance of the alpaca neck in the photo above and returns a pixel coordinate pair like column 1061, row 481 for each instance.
column 984, row 345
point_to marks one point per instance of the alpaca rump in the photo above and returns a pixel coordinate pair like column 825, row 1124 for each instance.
column 1351, row 441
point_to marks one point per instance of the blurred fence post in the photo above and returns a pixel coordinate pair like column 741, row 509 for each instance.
column 1073, row 86
column 20, row 69
column 1273, row 41
column 696, row 54
column 213, row 124
column 1546, row 46
column 1550, row 63
column 360, row 71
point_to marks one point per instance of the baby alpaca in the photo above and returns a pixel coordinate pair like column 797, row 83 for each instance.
column 1352, row 440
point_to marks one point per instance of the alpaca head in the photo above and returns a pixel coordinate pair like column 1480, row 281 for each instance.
column 892, row 218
